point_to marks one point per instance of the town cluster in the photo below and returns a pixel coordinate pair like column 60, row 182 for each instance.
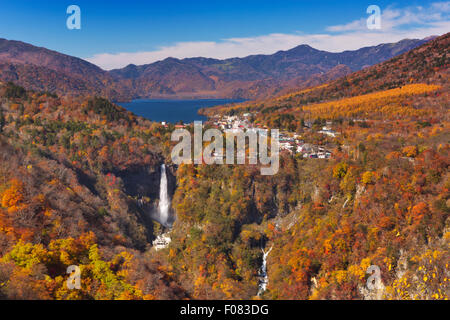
column 289, row 141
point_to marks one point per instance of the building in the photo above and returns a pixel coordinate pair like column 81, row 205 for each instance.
column 161, row 242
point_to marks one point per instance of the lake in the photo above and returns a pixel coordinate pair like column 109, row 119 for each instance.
column 172, row 111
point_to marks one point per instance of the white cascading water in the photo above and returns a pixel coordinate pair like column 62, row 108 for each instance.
column 264, row 278
column 164, row 201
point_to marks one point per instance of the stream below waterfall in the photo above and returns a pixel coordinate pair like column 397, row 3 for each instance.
column 263, row 277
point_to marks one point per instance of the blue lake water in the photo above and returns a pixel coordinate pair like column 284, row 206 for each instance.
column 173, row 111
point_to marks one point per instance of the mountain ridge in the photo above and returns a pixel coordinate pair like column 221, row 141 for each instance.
column 421, row 66
column 41, row 69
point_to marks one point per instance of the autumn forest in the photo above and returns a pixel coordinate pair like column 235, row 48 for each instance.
column 80, row 177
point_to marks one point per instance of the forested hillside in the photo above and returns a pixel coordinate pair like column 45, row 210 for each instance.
column 383, row 198
column 66, row 198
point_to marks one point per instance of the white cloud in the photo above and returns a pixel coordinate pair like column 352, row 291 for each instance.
column 397, row 24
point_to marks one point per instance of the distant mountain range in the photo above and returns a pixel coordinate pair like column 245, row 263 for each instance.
column 427, row 64
column 251, row 77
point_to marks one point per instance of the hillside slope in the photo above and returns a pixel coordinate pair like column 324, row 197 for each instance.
column 427, row 64
column 240, row 77
column 382, row 199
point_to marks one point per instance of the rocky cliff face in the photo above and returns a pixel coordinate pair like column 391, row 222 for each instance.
column 143, row 185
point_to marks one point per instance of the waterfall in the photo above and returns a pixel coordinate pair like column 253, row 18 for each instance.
column 164, row 201
column 264, row 278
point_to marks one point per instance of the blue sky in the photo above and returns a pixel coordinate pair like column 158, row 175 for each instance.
column 116, row 33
